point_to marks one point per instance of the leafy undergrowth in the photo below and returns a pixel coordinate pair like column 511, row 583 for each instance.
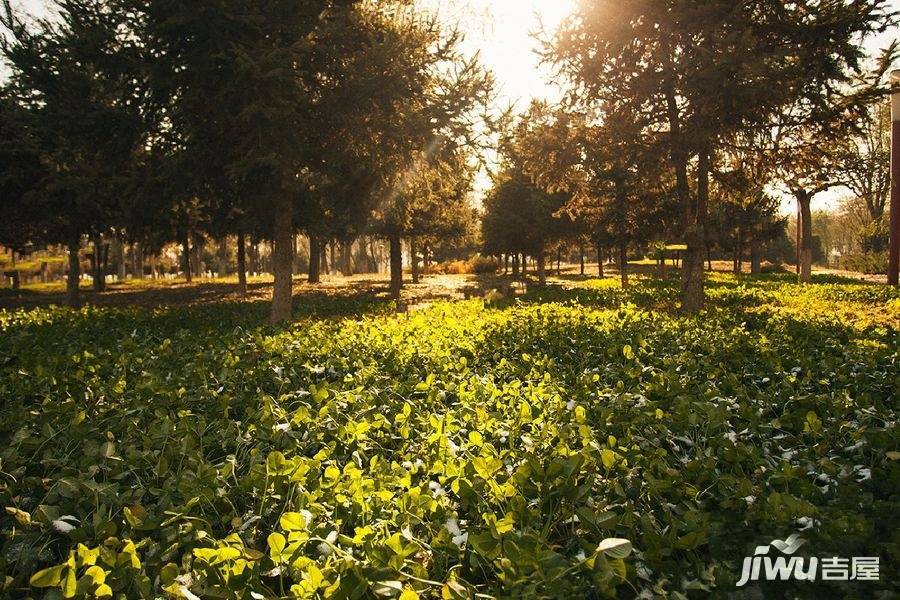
column 577, row 443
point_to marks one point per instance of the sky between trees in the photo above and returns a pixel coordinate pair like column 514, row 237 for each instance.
column 502, row 33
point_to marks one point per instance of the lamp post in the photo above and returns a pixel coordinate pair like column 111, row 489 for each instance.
column 894, row 256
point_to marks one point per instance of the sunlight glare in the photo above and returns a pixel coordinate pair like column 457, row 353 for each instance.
column 502, row 31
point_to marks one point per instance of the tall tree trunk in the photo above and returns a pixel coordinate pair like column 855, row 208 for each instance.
column 254, row 257
column 197, row 261
column 315, row 259
column 804, row 199
column 893, row 267
column 600, row 260
column 154, row 267
column 323, row 257
column 282, row 260
column 735, row 253
column 296, row 241
column 99, row 276
column 524, row 265
column 373, row 259
column 413, row 257
column 222, row 256
column 755, row 257
column 693, row 214
column 186, row 258
column 332, row 257
column 105, row 263
column 134, row 263
column 623, row 263
column 542, row 267
column 139, row 248
column 515, row 265
column 347, row 258
column 121, row 273
column 581, row 258
column 558, row 262
column 73, row 295
column 692, row 292
column 242, row 263
column 396, row 265
column 797, row 236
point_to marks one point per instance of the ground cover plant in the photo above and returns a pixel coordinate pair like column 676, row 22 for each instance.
column 582, row 441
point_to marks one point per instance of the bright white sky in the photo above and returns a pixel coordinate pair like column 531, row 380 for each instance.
column 500, row 31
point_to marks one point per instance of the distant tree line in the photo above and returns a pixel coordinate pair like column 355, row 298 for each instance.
column 158, row 122
column 683, row 120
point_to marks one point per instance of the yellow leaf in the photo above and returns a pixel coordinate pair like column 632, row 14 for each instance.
column 47, row 577
column 70, row 584
column 609, row 458
column 97, row 575
column 293, row 521
column 277, row 542
column 21, row 516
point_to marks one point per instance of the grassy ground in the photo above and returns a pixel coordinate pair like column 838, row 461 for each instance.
column 177, row 292
column 579, row 441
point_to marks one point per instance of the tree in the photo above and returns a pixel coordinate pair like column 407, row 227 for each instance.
column 74, row 78
column 810, row 138
column 520, row 217
column 865, row 159
column 744, row 212
column 613, row 178
column 699, row 71
column 433, row 200
column 23, row 222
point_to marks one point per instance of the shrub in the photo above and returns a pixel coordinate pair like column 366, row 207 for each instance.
column 870, row 263
column 482, row 265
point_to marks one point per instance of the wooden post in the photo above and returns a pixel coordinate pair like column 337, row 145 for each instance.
column 894, row 255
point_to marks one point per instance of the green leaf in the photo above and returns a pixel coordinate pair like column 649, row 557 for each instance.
column 486, row 466
column 485, row 544
column 813, row 423
column 168, row 573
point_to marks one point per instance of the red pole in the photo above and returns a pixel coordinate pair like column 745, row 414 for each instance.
column 894, row 256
